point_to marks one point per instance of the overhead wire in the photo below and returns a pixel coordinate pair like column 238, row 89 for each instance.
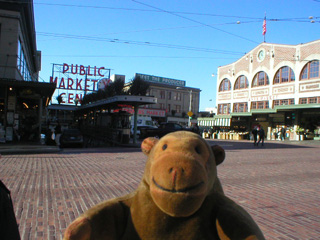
column 192, row 20
column 155, row 10
column 145, row 43
column 132, row 56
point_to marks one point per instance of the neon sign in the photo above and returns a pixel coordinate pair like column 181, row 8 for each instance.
column 73, row 81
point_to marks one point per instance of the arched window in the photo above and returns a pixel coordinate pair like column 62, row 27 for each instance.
column 241, row 83
column 284, row 75
column 310, row 70
column 225, row 85
column 260, row 79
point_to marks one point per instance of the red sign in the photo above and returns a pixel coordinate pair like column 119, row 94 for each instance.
column 147, row 111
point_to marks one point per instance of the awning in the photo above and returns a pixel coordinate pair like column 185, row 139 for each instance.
column 222, row 122
column 29, row 88
column 218, row 121
column 206, row 122
column 119, row 99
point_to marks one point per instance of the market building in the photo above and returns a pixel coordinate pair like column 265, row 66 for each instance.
column 22, row 97
column 272, row 86
column 114, row 119
column 175, row 100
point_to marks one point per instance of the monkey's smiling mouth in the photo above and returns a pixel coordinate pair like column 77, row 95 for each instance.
column 182, row 190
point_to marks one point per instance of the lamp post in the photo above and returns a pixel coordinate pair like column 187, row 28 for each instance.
column 190, row 97
column 190, row 104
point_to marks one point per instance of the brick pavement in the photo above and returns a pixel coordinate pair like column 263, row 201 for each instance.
column 277, row 184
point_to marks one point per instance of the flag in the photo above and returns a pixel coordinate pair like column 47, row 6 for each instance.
column 264, row 26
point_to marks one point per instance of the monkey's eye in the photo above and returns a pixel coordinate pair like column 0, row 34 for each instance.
column 198, row 149
column 164, row 147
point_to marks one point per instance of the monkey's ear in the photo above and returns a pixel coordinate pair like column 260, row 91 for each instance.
column 219, row 154
column 148, row 144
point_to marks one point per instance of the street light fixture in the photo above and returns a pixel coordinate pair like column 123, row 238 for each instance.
column 190, row 102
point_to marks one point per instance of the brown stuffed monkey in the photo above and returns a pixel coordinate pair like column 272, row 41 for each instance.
column 179, row 197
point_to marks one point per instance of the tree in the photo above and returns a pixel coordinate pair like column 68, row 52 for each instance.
column 138, row 87
column 59, row 99
column 118, row 86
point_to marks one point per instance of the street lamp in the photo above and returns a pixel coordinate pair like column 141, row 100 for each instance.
column 190, row 102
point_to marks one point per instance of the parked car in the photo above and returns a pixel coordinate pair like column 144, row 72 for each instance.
column 71, row 137
column 162, row 130
column 139, row 129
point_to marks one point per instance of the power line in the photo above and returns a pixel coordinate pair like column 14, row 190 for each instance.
column 132, row 56
column 116, row 40
column 149, row 10
column 192, row 20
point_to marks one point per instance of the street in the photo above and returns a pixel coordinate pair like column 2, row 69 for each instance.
column 278, row 184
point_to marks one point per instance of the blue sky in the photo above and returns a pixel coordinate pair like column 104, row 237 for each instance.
column 186, row 40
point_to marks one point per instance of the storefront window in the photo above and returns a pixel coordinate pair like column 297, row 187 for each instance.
column 311, row 70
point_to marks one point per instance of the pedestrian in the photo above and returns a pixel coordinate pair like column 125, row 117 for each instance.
column 283, row 133
column 255, row 135
column 58, row 134
column 210, row 132
column 261, row 136
column 8, row 223
column 196, row 129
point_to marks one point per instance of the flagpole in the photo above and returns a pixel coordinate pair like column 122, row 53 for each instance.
column 264, row 26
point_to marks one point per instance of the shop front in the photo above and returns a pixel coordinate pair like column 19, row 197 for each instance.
column 106, row 121
column 22, row 110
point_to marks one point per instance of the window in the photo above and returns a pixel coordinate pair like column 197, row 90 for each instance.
column 177, row 96
column 178, row 109
column 311, row 70
column 162, row 94
column 169, row 107
column 283, row 102
column 260, row 79
column 284, row 74
column 162, row 106
column 241, row 82
column 225, row 85
column 22, row 63
column 309, row 100
column 240, row 107
column 224, row 108
column 303, row 101
column 312, row 100
column 169, row 95
column 260, row 105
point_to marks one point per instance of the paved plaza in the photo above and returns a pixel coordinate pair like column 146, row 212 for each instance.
column 278, row 184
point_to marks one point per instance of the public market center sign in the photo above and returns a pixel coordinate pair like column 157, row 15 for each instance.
column 73, row 81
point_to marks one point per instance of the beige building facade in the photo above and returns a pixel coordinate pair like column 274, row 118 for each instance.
column 174, row 98
column 272, row 86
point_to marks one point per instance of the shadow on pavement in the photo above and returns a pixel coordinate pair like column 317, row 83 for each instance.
column 234, row 145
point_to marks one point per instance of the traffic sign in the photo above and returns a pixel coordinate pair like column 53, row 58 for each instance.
column 190, row 114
